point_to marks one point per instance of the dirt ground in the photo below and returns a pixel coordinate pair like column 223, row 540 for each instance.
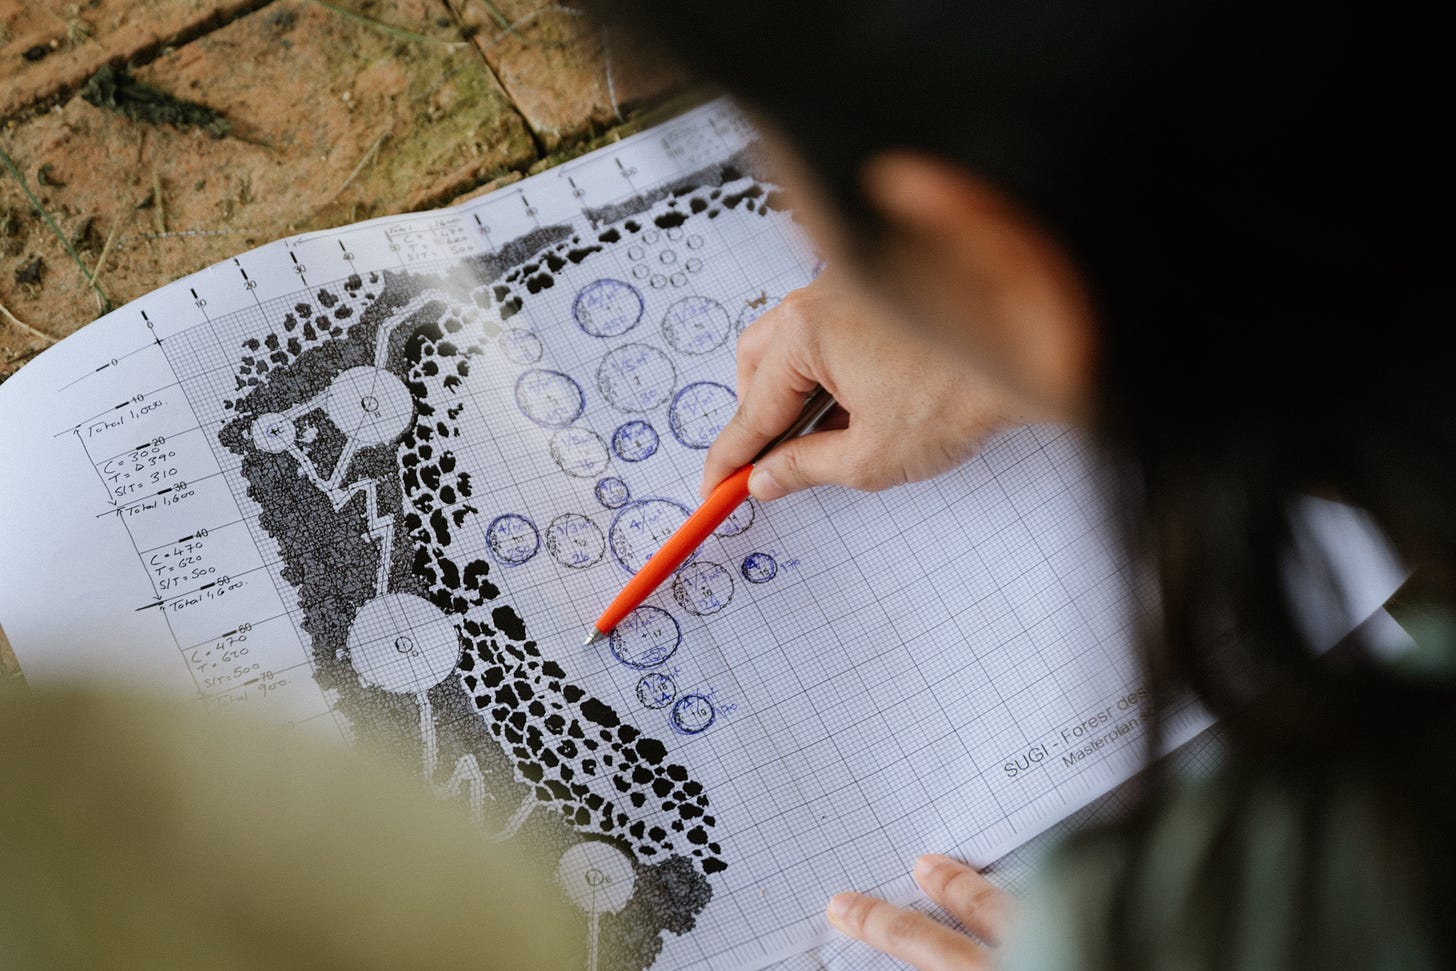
column 142, row 140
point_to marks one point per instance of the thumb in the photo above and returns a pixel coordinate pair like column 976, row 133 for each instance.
column 818, row 458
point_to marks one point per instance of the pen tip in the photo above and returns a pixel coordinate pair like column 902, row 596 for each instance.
column 592, row 637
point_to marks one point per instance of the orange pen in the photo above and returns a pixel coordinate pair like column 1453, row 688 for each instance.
column 721, row 502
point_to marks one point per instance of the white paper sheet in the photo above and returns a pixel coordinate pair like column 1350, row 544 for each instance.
column 367, row 480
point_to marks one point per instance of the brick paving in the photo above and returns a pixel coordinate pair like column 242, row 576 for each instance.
column 330, row 112
column 335, row 112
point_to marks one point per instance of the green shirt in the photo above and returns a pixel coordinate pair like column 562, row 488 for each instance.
column 1322, row 860
column 135, row 833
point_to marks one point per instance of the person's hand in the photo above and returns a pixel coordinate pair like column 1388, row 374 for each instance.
column 920, row 941
column 908, row 409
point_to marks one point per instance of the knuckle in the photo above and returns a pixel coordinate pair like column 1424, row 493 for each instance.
column 985, row 897
column 938, row 880
column 792, row 302
column 794, row 312
column 747, row 337
column 900, row 927
column 962, row 885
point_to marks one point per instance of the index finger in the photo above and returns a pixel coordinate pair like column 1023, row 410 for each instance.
column 768, row 405
column 984, row 908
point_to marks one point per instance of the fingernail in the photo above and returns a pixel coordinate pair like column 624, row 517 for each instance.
column 838, row 908
column 763, row 486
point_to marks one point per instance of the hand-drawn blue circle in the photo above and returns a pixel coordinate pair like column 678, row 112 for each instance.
column 520, row 346
column 579, row 452
column 636, row 378
column 613, row 492
column 699, row 411
column 549, row 398
column 634, row 441
column 512, row 539
column 692, row 714
column 703, row 588
column 759, row 568
column 696, row 325
column 575, row 541
column 738, row 520
column 656, row 690
column 645, row 638
column 641, row 527
column 607, row 308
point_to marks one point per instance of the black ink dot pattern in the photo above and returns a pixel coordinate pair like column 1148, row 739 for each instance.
column 561, row 738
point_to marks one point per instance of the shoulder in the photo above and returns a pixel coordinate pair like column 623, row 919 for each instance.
column 1253, row 866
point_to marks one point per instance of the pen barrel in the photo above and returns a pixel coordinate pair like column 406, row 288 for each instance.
column 726, row 497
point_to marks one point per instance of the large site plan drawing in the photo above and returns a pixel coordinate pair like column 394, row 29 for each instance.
column 424, row 447
column 378, row 480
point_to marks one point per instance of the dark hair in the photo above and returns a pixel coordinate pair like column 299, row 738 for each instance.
column 1255, row 194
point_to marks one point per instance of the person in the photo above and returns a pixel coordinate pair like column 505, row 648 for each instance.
column 1208, row 232
column 142, row 832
